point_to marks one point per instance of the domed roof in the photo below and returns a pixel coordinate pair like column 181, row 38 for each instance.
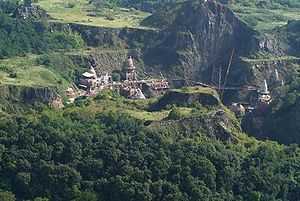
column 92, row 70
column 91, row 73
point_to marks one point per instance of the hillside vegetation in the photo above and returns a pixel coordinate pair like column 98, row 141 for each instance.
column 266, row 15
column 83, row 12
column 109, row 155
column 22, row 42
column 261, row 15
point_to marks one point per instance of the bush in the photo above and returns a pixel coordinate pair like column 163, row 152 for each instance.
column 251, row 21
column 13, row 75
column 19, row 37
column 175, row 114
column 116, row 77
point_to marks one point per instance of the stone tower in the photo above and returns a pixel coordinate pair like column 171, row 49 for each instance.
column 130, row 71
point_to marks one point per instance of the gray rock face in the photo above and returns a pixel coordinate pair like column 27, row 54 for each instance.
column 15, row 97
column 217, row 125
column 186, row 99
column 289, row 37
column 201, row 37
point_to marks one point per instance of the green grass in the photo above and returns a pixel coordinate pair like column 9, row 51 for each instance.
column 115, row 103
column 198, row 89
column 138, row 109
column 77, row 11
column 265, row 19
column 61, row 11
column 148, row 116
column 28, row 73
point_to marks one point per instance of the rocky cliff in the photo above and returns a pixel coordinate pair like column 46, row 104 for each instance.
column 199, row 38
column 187, row 97
column 16, row 98
column 204, row 113
column 288, row 38
column 217, row 124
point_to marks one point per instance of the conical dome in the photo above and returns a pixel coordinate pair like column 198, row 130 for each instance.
column 130, row 63
column 92, row 70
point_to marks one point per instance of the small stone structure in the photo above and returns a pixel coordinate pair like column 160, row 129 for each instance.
column 264, row 96
column 91, row 83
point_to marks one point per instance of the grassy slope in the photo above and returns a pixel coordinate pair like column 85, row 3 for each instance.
column 261, row 19
column 61, row 12
column 265, row 19
column 198, row 89
column 108, row 101
column 28, row 73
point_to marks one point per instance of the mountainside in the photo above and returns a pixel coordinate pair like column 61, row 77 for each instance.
column 97, row 150
column 145, row 100
column 199, row 39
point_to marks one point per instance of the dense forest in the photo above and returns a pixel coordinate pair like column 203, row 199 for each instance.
column 19, row 36
column 70, row 156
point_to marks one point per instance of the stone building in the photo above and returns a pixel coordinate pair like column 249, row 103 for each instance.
column 130, row 74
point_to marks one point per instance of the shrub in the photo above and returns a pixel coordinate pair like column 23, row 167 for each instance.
column 13, row 75
column 175, row 114
column 251, row 21
column 116, row 76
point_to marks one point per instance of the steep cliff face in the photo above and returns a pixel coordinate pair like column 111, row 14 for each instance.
column 217, row 124
column 15, row 98
column 188, row 96
column 266, row 69
column 126, row 38
column 201, row 37
column 288, row 37
column 113, row 46
column 196, row 110
column 116, row 60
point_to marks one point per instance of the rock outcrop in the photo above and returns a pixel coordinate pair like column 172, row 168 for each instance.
column 199, row 38
column 30, row 12
column 218, row 124
column 288, row 37
column 187, row 97
column 14, row 98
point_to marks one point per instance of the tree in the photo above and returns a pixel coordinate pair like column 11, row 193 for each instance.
column 86, row 196
column 7, row 196
column 28, row 3
column 41, row 199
